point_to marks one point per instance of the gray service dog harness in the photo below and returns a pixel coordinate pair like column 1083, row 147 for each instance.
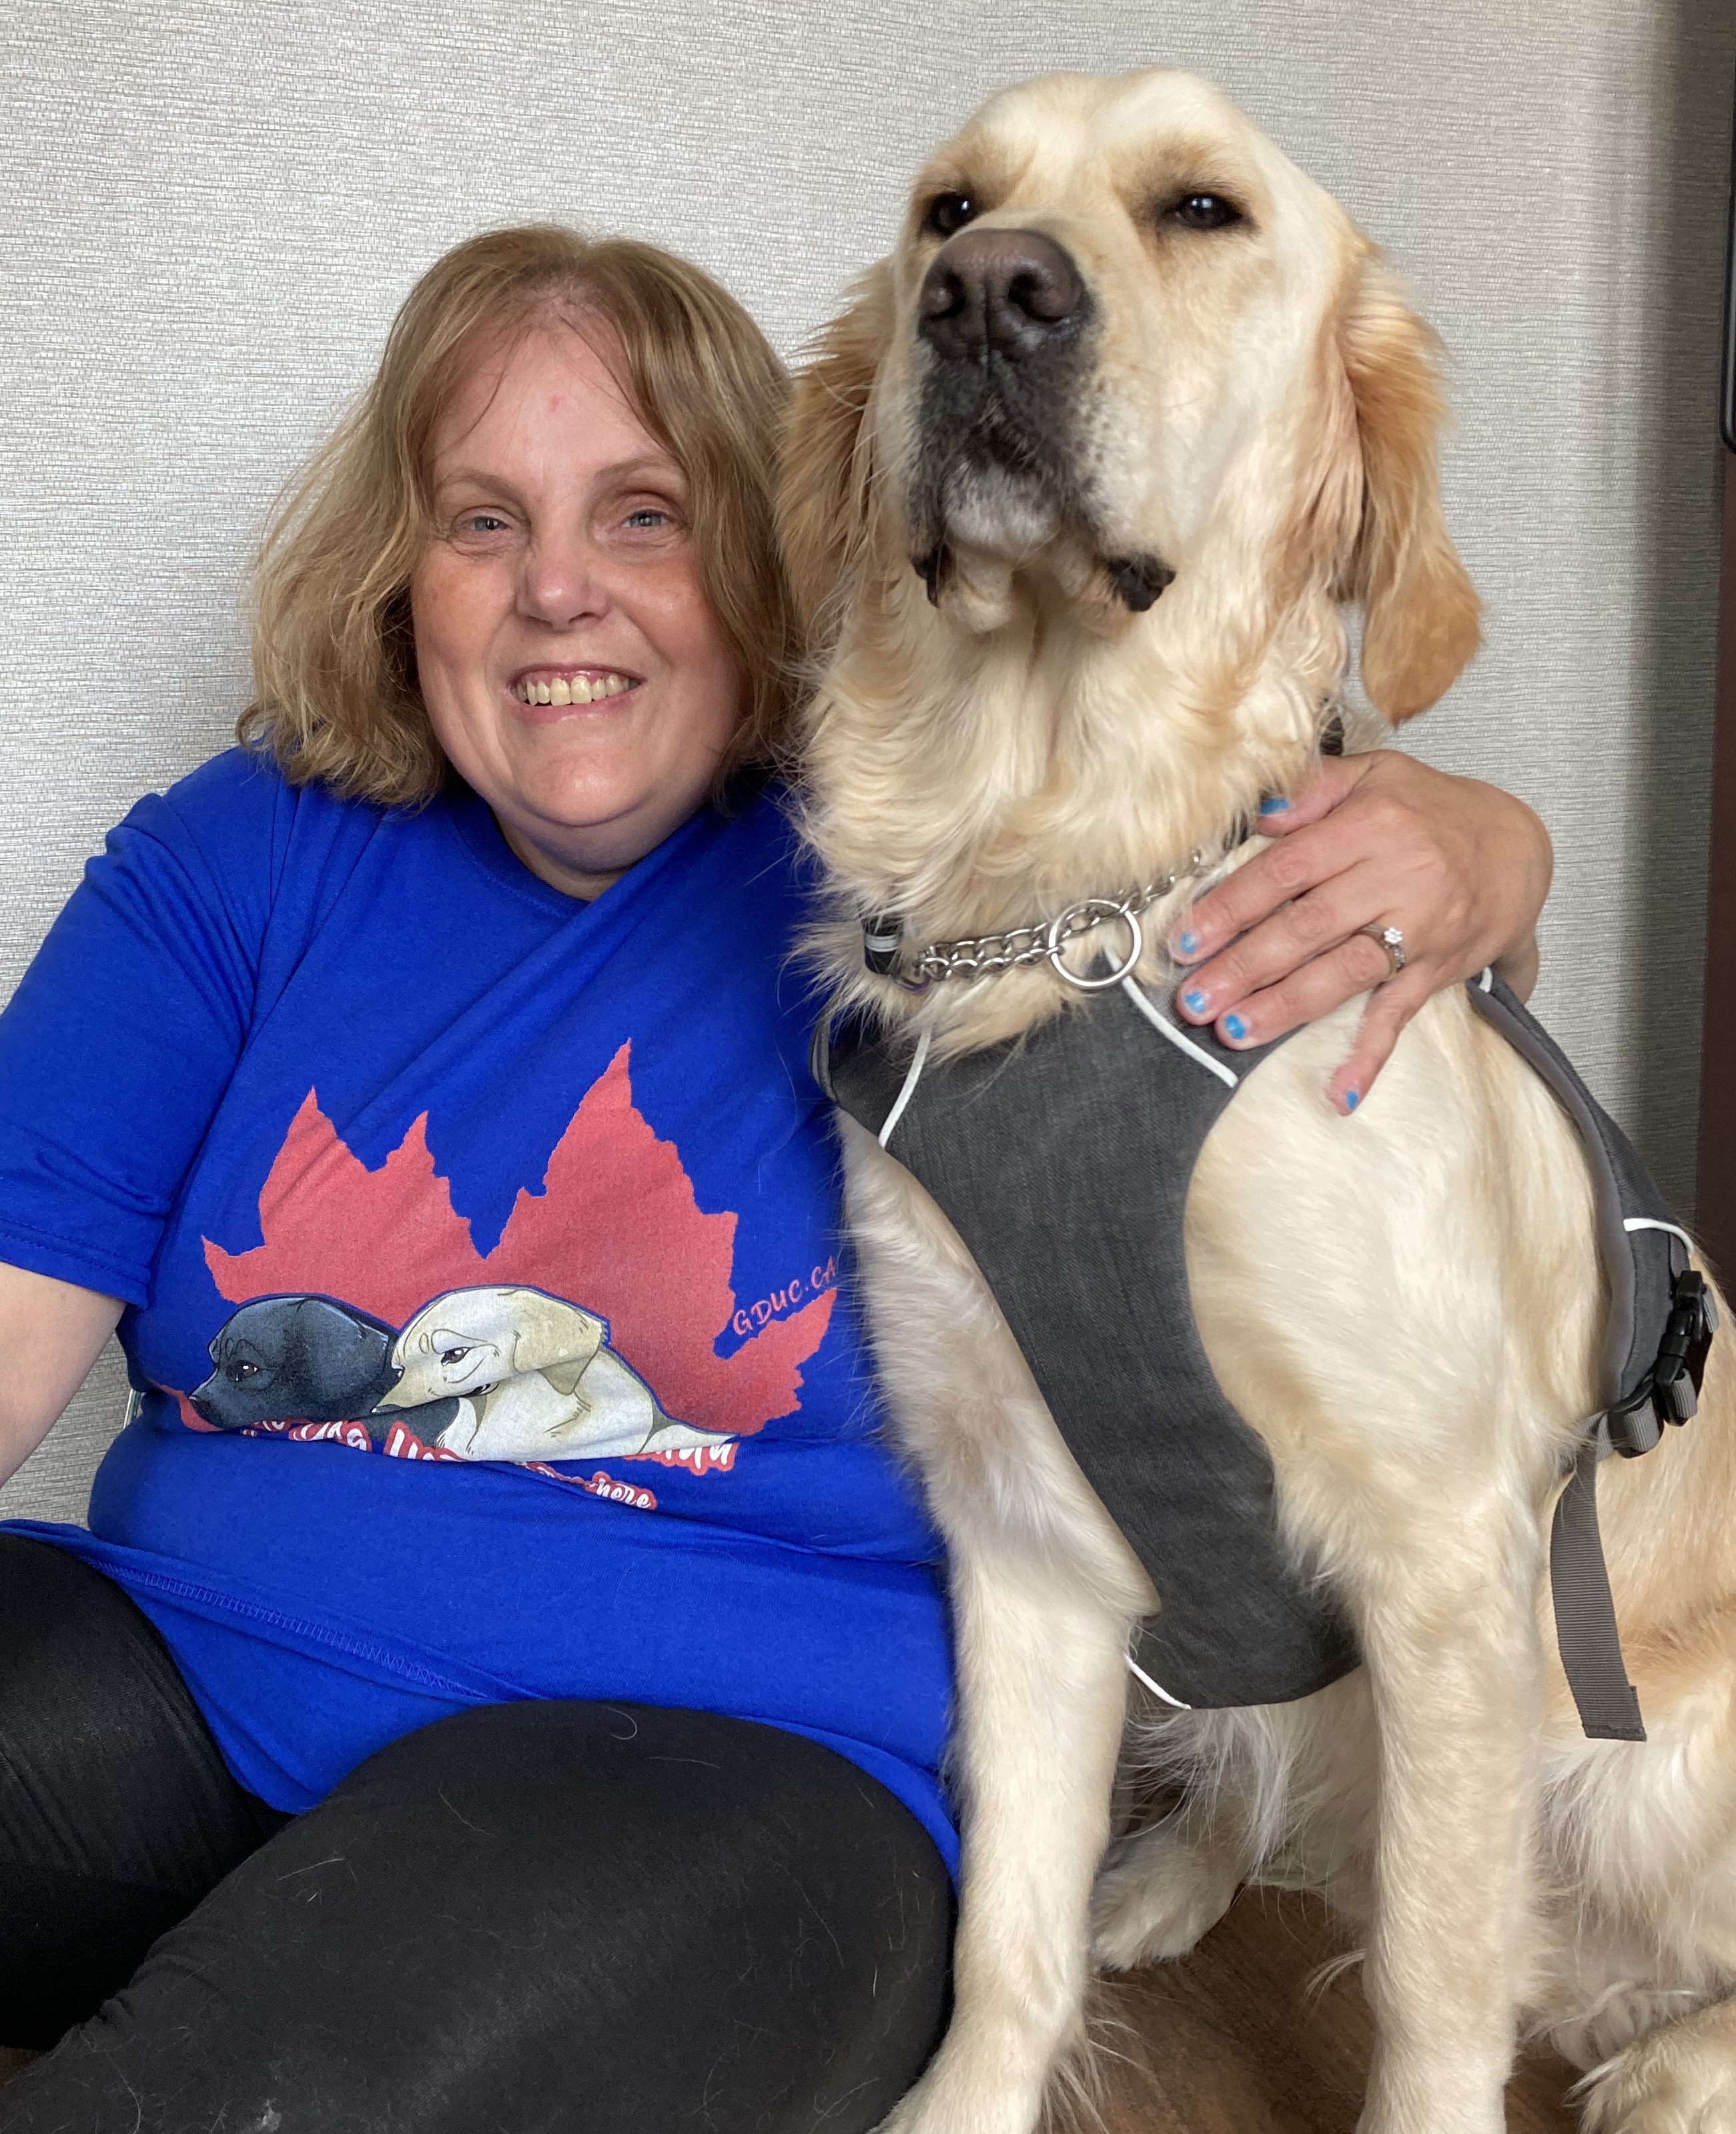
column 1063, row 1159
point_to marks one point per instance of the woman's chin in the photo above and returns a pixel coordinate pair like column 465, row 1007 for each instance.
column 581, row 841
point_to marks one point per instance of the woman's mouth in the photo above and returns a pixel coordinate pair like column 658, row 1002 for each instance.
column 572, row 685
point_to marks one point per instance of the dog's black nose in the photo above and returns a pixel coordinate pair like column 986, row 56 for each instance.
column 1009, row 292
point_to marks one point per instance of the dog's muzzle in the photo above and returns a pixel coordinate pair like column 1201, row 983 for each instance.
column 1007, row 322
column 1003, row 316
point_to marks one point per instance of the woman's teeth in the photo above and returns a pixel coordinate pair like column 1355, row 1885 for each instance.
column 572, row 689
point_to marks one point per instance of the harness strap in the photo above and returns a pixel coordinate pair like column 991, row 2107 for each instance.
column 1659, row 1325
column 1586, row 1634
column 1585, row 1625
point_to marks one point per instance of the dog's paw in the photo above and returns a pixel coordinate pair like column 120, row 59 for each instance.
column 1156, row 1894
column 938, row 2108
column 972, row 2087
column 1681, row 2079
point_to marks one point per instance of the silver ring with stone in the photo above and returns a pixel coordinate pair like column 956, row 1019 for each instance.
column 1391, row 939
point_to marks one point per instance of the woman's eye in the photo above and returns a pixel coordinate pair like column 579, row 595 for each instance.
column 478, row 524
column 648, row 514
column 1205, row 211
column 948, row 213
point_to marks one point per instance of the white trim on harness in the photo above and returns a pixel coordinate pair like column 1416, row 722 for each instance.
column 1159, row 1021
column 1651, row 1222
column 1156, row 1689
column 912, row 1077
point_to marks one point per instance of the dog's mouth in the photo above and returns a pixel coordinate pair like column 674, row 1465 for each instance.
column 993, row 469
column 977, row 508
column 1000, row 472
column 572, row 685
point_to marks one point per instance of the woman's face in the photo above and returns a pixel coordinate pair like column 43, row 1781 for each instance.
column 573, row 669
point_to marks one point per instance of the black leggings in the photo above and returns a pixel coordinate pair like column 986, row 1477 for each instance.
column 538, row 1919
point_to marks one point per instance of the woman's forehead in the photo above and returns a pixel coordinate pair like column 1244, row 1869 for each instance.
column 556, row 383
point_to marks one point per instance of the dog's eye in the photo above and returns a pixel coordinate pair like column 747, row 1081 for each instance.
column 948, row 213
column 1205, row 211
column 239, row 1371
column 455, row 1356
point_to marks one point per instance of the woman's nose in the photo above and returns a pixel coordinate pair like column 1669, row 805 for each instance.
column 561, row 583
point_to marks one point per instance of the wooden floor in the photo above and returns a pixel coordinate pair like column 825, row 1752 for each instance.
column 1233, row 2041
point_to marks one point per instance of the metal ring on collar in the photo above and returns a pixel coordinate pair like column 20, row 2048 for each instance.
column 1391, row 939
column 1094, row 911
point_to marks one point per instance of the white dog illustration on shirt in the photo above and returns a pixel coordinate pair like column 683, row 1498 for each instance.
column 533, row 1378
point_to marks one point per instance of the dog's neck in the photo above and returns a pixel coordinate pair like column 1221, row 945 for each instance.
column 974, row 781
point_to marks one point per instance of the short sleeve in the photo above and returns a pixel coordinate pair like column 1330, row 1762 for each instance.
column 121, row 1039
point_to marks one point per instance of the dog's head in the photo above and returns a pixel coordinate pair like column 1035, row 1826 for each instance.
column 294, row 1358
column 472, row 1340
column 1127, row 364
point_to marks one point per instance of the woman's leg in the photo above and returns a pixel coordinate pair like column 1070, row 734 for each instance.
column 116, row 1814
column 546, row 1918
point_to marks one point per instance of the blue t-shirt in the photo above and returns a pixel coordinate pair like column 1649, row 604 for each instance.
column 480, row 1249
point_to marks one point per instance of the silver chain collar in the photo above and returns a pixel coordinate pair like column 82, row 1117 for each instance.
column 982, row 955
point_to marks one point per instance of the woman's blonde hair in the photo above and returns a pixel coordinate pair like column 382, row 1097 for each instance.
column 335, row 695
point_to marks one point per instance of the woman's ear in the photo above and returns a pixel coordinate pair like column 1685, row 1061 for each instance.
column 1419, row 607
column 827, row 460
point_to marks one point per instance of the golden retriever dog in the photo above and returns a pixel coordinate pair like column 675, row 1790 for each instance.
column 1203, row 385
column 532, row 1377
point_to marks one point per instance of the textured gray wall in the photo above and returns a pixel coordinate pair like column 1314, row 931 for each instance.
column 211, row 209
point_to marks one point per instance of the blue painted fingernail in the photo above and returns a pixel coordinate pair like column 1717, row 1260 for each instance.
column 1276, row 805
column 1235, row 1027
column 1194, row 1002
column 1351, row 1100
column 1187, row 943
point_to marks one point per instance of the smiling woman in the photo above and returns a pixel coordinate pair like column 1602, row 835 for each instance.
column 439, row 1168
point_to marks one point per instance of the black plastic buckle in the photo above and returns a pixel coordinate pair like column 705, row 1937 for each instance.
column 1670, row 1391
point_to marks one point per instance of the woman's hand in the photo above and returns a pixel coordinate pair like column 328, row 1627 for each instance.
column 1376, row 840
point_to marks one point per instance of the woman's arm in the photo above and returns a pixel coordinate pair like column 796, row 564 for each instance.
column 50, row 1333
column 1381, row 840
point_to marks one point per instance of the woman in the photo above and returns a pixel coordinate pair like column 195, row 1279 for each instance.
column 504, row 1668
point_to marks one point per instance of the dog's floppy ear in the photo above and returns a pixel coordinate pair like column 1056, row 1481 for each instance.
column 548, row 1336
column 1419, row 607
column 828, row 466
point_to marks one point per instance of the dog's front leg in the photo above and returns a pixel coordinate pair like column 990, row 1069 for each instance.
column 1455, row 1665
column 1041, row 1693
column 1045, row 1593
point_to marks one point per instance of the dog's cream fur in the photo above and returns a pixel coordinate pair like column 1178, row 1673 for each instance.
column 1407, row 1304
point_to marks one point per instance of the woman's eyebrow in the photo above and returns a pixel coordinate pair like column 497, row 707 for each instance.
column 648, row 466
column 470, row 477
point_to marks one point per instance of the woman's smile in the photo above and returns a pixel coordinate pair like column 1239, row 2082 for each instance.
column 569, row 686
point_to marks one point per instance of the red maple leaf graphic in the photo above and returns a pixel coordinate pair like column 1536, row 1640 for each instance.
column 615, row 1229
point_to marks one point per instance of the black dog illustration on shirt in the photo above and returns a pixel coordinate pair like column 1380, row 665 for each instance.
column 298, row 1359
